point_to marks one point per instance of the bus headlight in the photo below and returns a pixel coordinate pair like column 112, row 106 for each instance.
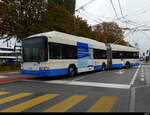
column 44, row 68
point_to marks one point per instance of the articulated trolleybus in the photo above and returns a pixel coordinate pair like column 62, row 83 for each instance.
column 56, row 53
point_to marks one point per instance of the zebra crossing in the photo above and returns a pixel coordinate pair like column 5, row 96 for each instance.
column 103, row 104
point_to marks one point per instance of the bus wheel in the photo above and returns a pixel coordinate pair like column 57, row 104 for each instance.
column 103, row 67
column 72, row 71
column 127, row 65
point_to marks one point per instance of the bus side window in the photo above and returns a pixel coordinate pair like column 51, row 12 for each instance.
column 99, row 54
column 121, row 55
column 69, row 52
column 55, row 51
column 62, row 51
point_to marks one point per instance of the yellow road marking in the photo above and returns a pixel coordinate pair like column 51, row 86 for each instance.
column 104, row 104
column 14, row 97
column 66, row 104
column 3, row 93
column 28, row 104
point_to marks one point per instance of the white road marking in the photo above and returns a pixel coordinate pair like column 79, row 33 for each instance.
column 91, row 84
column 132, row 100
column 120, row 72
column 142, row 70
column 134, row 77
column 78, row 79
column 142, row 73
column 142, row 79
column 88, row 84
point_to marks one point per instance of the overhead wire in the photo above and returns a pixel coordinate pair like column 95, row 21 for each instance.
column 85, row 5
column 113, row 8
column 90, row 18
column 120, row 8
column 126, row 35
column 76, row 10
column 93, row 15
column 122, row 19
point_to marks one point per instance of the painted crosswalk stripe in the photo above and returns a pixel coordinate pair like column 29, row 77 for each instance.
column 14, row 97
column 104, row 104
column 4, row 93
column 30, row 103
column 66, row 104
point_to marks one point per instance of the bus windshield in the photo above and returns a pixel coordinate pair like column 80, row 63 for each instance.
column 35, row 49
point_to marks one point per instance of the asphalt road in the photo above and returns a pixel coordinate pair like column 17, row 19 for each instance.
column 107, row 91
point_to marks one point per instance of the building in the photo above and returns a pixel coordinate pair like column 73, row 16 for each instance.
column 9, row 55
column 69, row 4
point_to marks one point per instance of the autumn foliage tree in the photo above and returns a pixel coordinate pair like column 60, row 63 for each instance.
column 109, row 32
column 21, row 18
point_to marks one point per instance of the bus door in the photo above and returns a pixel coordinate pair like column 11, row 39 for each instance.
column 91, row 59
column 85, row 60
column 109, row 56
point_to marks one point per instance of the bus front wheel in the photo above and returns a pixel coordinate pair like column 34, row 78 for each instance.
column 72, row 71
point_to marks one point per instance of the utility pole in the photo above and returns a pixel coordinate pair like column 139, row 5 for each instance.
column 75, row 27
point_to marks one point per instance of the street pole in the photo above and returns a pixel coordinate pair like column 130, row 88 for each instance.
column 75, row 20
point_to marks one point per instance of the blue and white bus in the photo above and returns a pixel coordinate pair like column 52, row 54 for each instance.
column 56, row 53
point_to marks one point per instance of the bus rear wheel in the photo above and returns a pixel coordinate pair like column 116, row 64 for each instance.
column 72, row 71
column 127, row 65
column 103, row 67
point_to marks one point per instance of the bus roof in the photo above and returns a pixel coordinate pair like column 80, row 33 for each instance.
column 116, row 47
column 68, row 37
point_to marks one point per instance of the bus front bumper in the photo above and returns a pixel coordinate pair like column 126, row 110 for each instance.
column 48, row 73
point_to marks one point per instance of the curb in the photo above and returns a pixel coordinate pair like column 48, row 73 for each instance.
column 7, row 80
column 5, row 72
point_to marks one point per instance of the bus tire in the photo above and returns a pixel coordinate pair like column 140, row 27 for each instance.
column 72, row 71
column 127, row 65
column 103, row 67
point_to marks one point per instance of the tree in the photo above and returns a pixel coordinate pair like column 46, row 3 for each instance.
column 57, row 17
column 20, row 18
column 83, row 29
column 109, row 32
column 68, row 4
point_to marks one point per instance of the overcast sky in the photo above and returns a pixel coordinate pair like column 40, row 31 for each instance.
column 137, row 11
